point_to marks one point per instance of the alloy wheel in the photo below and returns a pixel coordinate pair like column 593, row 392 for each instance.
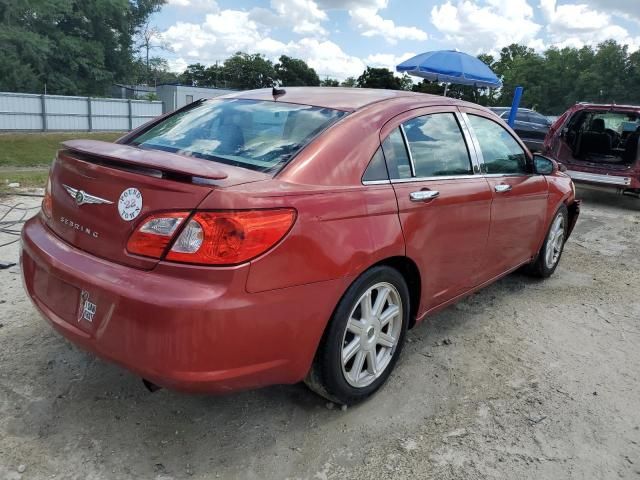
column 555, row 242
column 372, row 334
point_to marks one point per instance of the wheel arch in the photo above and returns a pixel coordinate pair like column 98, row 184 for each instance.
column 411, row 274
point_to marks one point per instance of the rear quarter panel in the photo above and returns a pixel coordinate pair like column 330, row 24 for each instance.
column 338, row 232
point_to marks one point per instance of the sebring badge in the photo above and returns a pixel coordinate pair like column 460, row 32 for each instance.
column 81, row 197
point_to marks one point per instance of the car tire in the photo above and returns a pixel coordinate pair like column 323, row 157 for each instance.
column 549, row 255
column 361, row 345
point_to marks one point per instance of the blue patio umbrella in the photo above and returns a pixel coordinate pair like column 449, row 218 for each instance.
column 450, row 66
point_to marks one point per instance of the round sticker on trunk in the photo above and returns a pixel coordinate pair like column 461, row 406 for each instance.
column 130, row 204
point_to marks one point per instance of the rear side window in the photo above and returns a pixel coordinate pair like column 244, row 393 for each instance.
column 500, row 151
column 395, row 153
column 257, row 135
column 376, row 170
column 437, row 146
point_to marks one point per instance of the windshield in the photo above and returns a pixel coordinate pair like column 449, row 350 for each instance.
column 618, row 122
column 257, row 135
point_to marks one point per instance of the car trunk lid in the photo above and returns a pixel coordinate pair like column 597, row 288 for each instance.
column 101, row 191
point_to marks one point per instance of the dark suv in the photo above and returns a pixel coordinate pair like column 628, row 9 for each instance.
column 530, row 126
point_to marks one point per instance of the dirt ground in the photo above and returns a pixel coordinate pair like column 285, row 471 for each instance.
column 525, row 379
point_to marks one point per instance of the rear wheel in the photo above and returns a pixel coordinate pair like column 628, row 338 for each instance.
column 551, row 251
column 364, row 338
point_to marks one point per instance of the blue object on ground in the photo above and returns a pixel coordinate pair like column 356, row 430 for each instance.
column 514, row 106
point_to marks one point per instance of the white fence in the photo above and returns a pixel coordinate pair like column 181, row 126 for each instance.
column 24, row 111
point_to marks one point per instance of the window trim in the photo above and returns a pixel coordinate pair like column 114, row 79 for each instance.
column 376, row 182
column 471, row 142
column 412, row 165
column 476, row 142
column 463, row 131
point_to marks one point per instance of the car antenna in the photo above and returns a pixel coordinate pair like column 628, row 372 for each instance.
column 277, row 92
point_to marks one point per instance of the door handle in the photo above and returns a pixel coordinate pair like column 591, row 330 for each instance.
column 423, row 195
column 502, row 188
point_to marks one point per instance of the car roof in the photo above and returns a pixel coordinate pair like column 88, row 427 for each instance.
column 340, row 98
column 504, row 109
column 611, row 106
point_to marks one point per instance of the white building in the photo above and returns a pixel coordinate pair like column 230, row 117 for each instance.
column 177, row 96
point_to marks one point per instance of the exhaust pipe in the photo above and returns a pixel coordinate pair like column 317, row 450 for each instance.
column 152, row 387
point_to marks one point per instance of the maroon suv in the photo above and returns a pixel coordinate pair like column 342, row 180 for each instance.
column 599, row 146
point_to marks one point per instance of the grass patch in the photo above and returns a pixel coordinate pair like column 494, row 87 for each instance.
column 36, row 177
column 38, row 149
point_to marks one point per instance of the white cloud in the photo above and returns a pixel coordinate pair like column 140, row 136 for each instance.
column 348, row 4
column 387, row 60
column 576, row 25
column 220, row 35
column 626, row 8
column 326, row 58
column 201, row 5
column 369, row 23
column 224, row 33
column 566, row 19
column 485, row 27
column 304, row 16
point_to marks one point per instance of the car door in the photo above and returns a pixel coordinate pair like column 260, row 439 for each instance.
column 444, row 203
column 519, row 206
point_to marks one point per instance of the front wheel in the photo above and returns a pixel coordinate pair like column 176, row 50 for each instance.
column 553, row 246
column 364, row 338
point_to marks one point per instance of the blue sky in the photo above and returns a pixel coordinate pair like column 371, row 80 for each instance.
column 340, row 37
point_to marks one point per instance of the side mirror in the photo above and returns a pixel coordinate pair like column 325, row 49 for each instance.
column 544, row 165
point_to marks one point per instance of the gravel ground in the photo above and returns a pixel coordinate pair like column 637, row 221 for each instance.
column 524, row 379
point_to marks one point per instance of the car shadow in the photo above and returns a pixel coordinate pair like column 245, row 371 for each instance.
column 102, row 415
column 607, row 199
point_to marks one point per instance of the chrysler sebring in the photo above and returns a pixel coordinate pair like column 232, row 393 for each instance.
column 271, row 236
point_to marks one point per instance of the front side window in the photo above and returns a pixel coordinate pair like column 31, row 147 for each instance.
column 437, row 146
column 258, row 135
column 502, row 154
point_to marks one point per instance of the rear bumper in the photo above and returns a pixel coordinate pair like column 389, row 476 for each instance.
column 186, row 328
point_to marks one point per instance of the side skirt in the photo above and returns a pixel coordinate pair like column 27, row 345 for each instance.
column 444, row 305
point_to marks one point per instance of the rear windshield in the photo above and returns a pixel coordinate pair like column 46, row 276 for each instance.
column 257, row 135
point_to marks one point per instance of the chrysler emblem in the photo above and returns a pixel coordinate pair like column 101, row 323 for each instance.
column 81, row 197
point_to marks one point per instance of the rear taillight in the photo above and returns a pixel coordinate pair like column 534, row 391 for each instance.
column 47, row 202
column 211, row 238
column 154, row 235
column 227, row 238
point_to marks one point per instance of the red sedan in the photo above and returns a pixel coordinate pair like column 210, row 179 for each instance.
column 269, row 237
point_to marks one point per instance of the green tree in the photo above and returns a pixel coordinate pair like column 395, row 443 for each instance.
column 246, row 71
column 195, row 74
column 157, row 72
column 329, row 82
column 72, row 46
column 379, row 78
column 425, row 86
column 350, row 82
column 149, row 39
column 293, row 72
